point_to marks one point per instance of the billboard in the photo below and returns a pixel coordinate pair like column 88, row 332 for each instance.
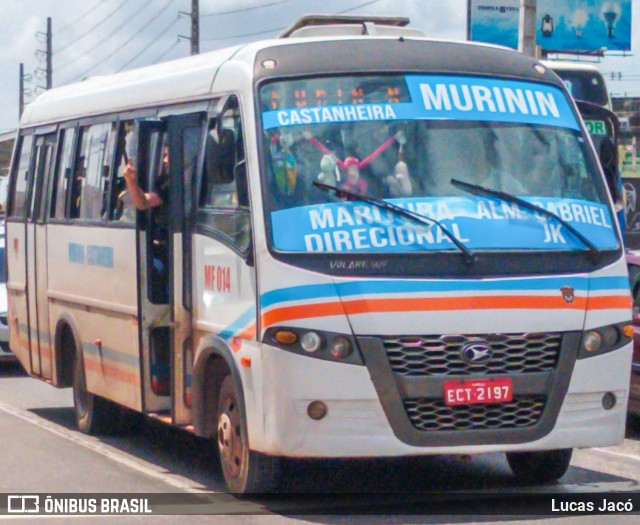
column 562, row 25
column 494, row 22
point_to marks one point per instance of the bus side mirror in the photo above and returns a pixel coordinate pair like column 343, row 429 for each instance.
column 608, row 156
column 604, row 127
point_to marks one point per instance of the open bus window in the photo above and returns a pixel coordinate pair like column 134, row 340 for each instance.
column 224, row 201
column 124, row 209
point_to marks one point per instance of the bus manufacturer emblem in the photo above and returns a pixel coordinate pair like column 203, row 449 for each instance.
column 476, row 352
column 567, row 294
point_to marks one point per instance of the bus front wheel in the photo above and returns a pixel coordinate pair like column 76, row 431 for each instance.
column 540, row 467
column 244, row 470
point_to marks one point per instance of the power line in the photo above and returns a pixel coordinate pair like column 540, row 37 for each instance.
column 244, row 34
column 81, row 17
column 256, row 33
column 165, row 53
column 246, row 9
column 93, row 28
column 357, row 7
column 101, row 41
column 160, row 35
column 124, row 44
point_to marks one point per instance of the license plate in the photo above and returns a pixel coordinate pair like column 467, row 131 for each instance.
column 478, row 391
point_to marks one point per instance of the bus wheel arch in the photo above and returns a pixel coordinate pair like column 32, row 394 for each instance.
column 66, row 345
column 94, row 415
column 219, row 413
column 213, row 361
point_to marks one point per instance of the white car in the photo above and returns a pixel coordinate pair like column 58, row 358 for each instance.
column 5, row 353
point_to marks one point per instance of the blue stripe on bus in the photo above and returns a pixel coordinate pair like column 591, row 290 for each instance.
column 239, row 324
column 317, row 291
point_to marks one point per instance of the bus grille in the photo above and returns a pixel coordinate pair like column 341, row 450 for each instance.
column 429, row 414
column 439, row 355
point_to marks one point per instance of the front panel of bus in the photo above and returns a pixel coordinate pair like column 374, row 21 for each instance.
column 441, row 269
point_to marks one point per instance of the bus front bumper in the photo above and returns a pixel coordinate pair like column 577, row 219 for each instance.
column 356, row 425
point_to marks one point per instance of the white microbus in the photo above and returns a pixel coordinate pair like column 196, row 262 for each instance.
column 369, row 245
column 584, row 81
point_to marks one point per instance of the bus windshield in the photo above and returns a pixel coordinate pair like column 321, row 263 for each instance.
column 403, row 139
column 585, row 85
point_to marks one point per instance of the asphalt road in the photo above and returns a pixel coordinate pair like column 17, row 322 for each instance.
column 42, row 452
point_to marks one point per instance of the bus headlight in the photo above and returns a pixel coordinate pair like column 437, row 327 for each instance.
column 311, row 342
column 592, row 341
column 604, row 339
column 320, row 344
column 340, row 347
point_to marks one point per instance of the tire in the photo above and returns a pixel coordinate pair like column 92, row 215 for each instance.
column 244, row 471
column 94, row 415
column 540, row 468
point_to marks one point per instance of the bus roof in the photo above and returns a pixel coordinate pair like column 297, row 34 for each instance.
column 191, row 78
column 563, row 65
column 169, row 82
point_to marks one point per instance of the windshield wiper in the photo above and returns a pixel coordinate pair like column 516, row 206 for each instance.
column 475, row 189
column 469, row 257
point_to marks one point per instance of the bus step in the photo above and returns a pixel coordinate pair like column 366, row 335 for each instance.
column 164, row 416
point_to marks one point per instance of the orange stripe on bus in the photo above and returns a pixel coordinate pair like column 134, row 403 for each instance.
column 362, row 306
column 462, row 303
column 111, row 371
column 248, row 333
column 303, row 311
column 609, row 301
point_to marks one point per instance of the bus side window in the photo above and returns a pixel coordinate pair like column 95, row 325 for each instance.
column 43, row 158
column 218, row 185
column 123, row 208
column 224, row 199
column 93, row 170
column 21, row 180
column 63, row 173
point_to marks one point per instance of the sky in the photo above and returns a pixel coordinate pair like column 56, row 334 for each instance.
column 99, row 37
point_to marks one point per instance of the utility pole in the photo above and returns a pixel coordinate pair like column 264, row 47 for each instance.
column 195, row 27
column 527, row 28
column 49, row 55
column 21, row 91
column 46, row 56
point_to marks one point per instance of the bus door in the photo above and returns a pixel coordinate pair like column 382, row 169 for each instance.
column 168, row 155
column 185, row 144
column 36, row 240
column 154, row 308
column 16, row 251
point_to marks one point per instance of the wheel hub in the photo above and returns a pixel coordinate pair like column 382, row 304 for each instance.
column 230, row 440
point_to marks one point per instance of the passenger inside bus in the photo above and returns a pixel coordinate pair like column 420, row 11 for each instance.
column 125, row 209
column 157, row 200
